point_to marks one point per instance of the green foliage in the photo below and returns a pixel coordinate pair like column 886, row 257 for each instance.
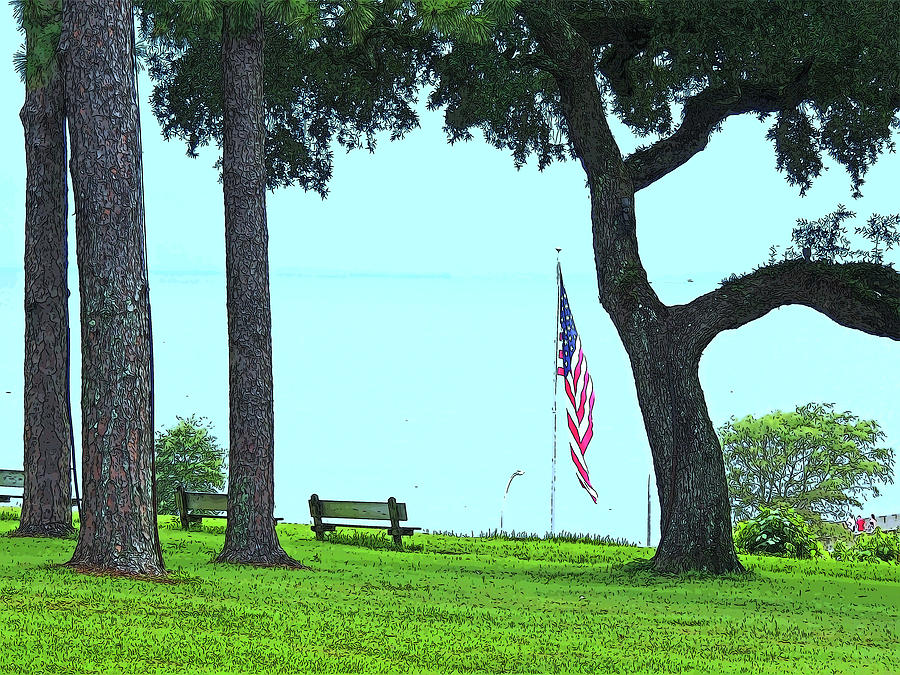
column 9, row 513
column 369, row 59
column 461, row 20
column 511, row 606
column 41, row 21
column 786, row 58
column 845, row 113
column 825, row 239
column 781, row 532
column 882, row 232
column 498, row 89
column 187, row 454
column 342, row 86
column 877, row 547
column 814, row 460
column 835, row 532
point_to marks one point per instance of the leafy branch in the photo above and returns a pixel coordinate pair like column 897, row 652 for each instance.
column 826, row 240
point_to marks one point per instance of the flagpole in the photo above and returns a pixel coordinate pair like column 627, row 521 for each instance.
column 555, row 380
column 648, row 510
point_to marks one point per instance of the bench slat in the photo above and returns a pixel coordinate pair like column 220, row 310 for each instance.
column 362, row 510
column 328, row 527
column 12, row 478
column 202, row 500
column 186, row 502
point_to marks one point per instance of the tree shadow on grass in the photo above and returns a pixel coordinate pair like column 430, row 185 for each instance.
column 176, row 576
column 642, row 573
column 635, row 573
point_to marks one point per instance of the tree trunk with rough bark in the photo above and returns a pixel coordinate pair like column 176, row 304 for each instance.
column 250, row 536
column 695, row 517
column 118, row 518
column 47, row 498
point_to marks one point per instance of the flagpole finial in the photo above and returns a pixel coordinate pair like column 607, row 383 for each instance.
column 558, row 250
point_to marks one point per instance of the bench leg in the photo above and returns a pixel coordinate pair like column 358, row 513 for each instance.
column 181, row 503
column 315, row 510
column 395, row 522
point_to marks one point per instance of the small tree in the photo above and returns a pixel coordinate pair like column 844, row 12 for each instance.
column 187, row 454
column 813, row 460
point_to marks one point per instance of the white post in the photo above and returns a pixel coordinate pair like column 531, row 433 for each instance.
column 516, row 473
column 648, row 510
column 555, row 379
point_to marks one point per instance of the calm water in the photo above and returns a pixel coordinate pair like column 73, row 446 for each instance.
column 435, row 389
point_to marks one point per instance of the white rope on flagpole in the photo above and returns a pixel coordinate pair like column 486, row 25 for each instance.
column 555, row 380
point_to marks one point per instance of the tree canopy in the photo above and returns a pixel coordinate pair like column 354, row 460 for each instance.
column 544, row 83
column 817, row 461
column 828, row 73
column 342, row 70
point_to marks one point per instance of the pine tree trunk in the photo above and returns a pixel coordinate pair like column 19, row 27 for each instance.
column 47, row 499
column 118, row 518
column 250, row 536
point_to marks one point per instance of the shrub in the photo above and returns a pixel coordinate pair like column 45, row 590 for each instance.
column 781, row 532
column 877, row 547
column 9, row 513
column 187, row 454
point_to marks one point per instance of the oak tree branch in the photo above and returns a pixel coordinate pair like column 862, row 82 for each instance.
column 858, row 295
column 702, row 113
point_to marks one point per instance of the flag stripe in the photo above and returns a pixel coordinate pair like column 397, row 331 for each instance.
column 572, row 366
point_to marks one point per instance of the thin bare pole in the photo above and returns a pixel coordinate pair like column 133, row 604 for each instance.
column 648, row 510
column 555, row 379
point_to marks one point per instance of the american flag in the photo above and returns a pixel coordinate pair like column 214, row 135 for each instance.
column 572, row 365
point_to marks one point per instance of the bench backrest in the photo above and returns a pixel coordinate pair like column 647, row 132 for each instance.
column 203, row 500
column 12, row 478
column 328, row 508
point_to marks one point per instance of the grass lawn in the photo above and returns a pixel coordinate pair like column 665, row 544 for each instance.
column 453, row 605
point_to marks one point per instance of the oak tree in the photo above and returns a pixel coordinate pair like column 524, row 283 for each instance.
column 827, row 74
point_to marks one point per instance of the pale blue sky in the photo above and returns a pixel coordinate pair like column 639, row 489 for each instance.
column 413, row 317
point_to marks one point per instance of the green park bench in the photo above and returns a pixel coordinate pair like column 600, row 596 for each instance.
column 11, row 478
column 187, row 502
column 15, row 478
column 391, row 510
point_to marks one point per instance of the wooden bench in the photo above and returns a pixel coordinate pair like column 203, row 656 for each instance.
column 186, row 502
column 11, row 478
column 15, row 478
column 391, row 510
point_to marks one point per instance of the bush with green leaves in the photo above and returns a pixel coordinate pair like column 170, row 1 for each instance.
column 9, row 513
column 877, row 547
column 781, row 532
column 187, row 454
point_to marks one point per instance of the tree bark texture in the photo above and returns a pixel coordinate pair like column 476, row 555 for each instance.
column 118, row 518
column 694, row 506
column 250, row 536
column 47, row 499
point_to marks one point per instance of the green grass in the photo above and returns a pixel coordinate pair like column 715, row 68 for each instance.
column 454, row 604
